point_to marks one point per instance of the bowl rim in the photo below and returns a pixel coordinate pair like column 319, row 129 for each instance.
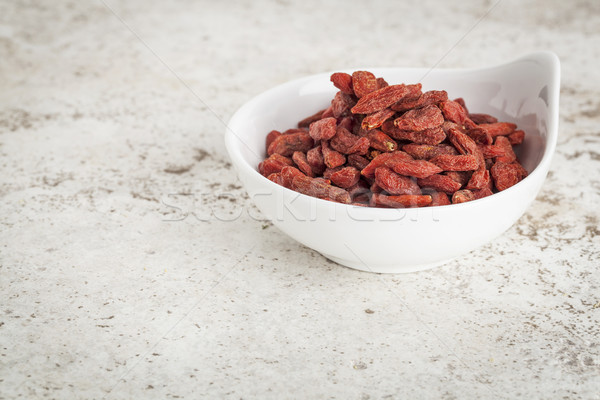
column 546, row 57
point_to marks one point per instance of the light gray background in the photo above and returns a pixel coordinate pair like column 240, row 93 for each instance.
column 110, row 119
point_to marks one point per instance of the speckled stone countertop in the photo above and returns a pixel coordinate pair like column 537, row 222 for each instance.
column 124, row 272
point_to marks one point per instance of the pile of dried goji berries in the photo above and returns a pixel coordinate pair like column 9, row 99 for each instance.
column 394, row 146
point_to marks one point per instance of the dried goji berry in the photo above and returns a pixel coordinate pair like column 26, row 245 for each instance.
column 503, row 143
column 462, row 103
column 479, row 155
column 348, row 143
column 463, row 143
column 331, row 157
column 481, row 193
column 343, row 140
column 375, row 188
column 384, row 160
column 376, row 119
column 381, row 83
column 416, row 168
column 277, row 178
column 273, row 164
column 393, row 183
column 516, row 137
column 438, row 198
column 480, row 136
column 490, row 151
column 461, row 177
column 360, row 147
column 315, row 158
column 454, row 112
column 401, row 201
column 323, row 129
column 323, row 180
column 408, row 103
column 356, row 126
column 288, row 174
column 428, row 136
column 440, row 183
column 522, row 171
column 468, row 124
column 358, row 162
column 328, row 112
column 286, row 145
column 272, row 136
column 420, row 119
column 498, row 128
column 380, row 141
column 384, row 97
column 462, row 196
column 434, row 97
column 346, row 123
column 316, row 188
column 343, row 82
column 363, row 82
column 456, row 163
column 341, row 104
column 360, row 192
column 329, row 171
column 506, row 175
column 302, row 163
column 431, row 97
column 427, row 151
column 447, row 125
column 479, row 180
column 346, row 177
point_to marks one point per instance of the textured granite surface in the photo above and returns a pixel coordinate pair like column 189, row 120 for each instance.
column 125, row 271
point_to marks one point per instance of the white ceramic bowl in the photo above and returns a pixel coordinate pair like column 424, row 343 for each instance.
column 524, row 91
